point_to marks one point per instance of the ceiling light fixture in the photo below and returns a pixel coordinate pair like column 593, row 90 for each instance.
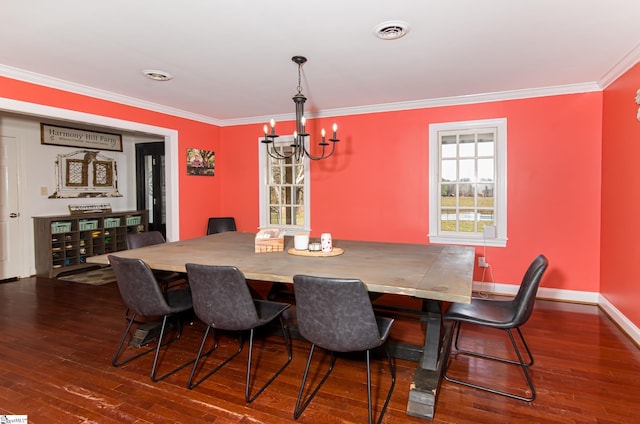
column 391, row 30
column 298, row 149
column 157, row 75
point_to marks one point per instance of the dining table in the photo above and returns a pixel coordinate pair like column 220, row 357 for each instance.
column 432, row 273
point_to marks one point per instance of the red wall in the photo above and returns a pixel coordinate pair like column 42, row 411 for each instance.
column 620, row 251
column 376, row 185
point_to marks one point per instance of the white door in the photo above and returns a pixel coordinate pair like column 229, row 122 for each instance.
column 10, row 243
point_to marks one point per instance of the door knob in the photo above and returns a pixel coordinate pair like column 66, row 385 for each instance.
column 14, row 215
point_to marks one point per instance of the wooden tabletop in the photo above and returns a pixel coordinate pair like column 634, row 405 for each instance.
column 437, row 272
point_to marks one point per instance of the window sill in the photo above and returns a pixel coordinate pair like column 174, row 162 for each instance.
column 468, row 241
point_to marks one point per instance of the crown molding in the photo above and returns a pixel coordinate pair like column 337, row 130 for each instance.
column 629, row 60
column 56, row 83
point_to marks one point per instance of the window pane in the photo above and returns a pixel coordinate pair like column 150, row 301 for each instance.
column 274, row 215
column 288, row 175
column 467, row 169
column 467, row 220
column 287, row 215
column 274, row 195
column 485, row 217
column 485, row 195
column 486, row 170
column 467, row 145
column 447, row 191
column 448, row 170
column 448, row 219
column 448, row 146
column 286, row 194
column 486, row 145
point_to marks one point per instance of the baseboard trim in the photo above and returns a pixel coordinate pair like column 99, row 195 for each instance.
column 607, row 307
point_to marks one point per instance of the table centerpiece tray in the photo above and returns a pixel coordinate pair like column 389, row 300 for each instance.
column 336, row 251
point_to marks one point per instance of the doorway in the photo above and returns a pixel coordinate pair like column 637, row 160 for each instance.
column 10, row 240
column 150, row 184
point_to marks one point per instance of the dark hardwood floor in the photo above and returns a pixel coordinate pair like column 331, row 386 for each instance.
column 58, row 338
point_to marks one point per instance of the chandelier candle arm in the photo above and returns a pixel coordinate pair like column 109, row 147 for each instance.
column 299, row 150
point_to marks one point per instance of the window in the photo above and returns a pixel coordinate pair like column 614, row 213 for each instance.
column 467, row 182
column 284, row 189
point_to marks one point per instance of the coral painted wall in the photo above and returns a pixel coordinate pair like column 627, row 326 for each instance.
column 376, row 185
column 620, row 252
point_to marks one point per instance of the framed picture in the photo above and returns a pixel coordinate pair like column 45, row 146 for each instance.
column 200, row 162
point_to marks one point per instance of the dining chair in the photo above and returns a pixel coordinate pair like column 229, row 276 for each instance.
column 336, row 315
column 221, row 225
column 503, row 315
column 222, row 300
column 151, row 238
column 141, row 294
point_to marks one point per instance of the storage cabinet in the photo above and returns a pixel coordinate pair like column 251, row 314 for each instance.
column 64, row 242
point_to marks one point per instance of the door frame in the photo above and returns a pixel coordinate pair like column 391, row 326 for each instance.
column 155, row 214
column 169, row 135
column 20, row 248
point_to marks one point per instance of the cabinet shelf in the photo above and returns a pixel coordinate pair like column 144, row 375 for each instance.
column 63, row 242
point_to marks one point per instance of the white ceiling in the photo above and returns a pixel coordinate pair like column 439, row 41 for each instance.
column 231, row 59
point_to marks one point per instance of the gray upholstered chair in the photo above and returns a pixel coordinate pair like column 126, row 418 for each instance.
column 221, row 225
column 150, row 238
column 142, row 295
column 222, row 300
column 336, row 315
column 502, row 315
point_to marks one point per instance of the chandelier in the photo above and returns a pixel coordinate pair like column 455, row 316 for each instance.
column 298, row 149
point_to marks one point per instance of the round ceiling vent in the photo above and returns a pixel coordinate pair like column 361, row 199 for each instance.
column 157, row 75
column 391, row 30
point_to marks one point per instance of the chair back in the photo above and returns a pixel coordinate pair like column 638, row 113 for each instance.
column 138, row 287
column 336, row 313
column 148, row 238
column 221, row 297
column 526, row 296
column 221, row 225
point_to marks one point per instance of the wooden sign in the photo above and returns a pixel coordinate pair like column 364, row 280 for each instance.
column 73, row 137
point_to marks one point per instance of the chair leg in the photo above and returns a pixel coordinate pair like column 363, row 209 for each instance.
column 300, row 409
column 114, row 360
column 190, row 383
column 287, row 342
column 529, row 362
column 392, row 371
column 155, row 359
column 524, row 366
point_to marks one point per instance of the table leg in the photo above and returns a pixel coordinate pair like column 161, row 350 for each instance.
column 425, row 388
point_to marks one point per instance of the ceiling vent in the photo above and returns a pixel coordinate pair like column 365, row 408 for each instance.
column 157, row 75
column 391, row 30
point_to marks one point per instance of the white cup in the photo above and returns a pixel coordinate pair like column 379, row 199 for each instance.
column 325, row 242
column 301, row 241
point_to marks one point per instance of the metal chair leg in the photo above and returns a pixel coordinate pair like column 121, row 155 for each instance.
column 524, row 366
column 458, row 324
column 155, row 359
column 298, row 410
column 287, row 342
column 114, row 360
column 190, row 384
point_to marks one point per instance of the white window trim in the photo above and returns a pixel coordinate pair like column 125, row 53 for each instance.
column 501, row 183
column 264, row 195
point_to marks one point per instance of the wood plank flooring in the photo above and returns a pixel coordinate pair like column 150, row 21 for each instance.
column 57, row 339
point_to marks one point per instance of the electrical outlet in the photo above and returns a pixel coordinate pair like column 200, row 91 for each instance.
column 482, row 262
